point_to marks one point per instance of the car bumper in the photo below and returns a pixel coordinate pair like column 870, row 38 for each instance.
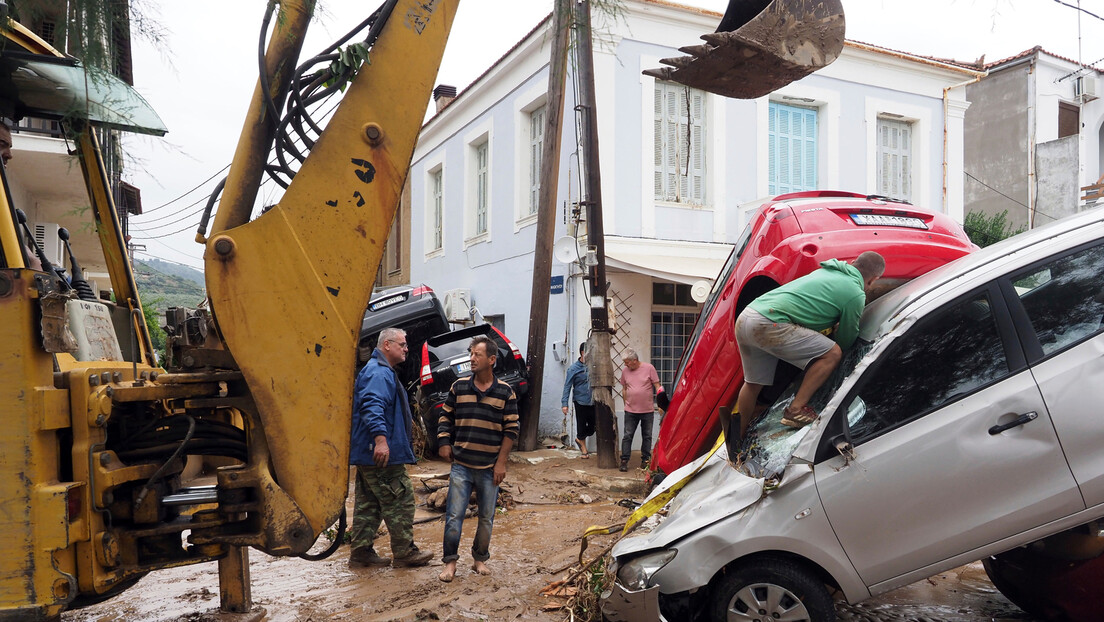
column 620, row 604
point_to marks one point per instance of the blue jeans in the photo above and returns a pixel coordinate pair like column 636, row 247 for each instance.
column 461, row 482
column 644, row 420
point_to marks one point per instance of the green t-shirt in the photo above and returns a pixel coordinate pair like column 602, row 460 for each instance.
column 834, row 293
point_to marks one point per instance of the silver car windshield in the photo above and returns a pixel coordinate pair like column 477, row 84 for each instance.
column 769, row 445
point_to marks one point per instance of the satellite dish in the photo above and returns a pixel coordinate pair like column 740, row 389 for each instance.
column 565, row 250
column 699, row 291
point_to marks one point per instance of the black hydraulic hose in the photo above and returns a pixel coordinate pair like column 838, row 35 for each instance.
column 297, row 121
column 161, row 471
column 263, row 71
column 206, row 218
column 206, row 447
column 338, row 539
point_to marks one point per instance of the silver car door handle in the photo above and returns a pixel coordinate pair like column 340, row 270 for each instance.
column 1018, row 421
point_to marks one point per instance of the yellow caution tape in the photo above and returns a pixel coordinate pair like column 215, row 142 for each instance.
column 649, row 508
column 659, row 501
column 596, row 530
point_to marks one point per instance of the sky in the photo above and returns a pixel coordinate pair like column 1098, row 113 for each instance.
column 201, row 77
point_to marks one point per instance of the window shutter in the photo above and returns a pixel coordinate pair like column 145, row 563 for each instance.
column 438, row 209
column 536, row 149
column 894, row 158
column 679, row 143
column 697, row 150
column 792, row 149
column 659, row 141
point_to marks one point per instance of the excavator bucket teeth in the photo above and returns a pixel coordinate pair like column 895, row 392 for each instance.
column 677, row 62
column 761, row 46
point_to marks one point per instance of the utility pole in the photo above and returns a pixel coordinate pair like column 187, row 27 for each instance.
column 546, row 223
column 599, row 363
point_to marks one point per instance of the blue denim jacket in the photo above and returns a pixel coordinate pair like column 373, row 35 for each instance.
column 380, row 407
column 578, row 380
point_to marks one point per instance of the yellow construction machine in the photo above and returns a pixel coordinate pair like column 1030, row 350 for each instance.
column 95, row 433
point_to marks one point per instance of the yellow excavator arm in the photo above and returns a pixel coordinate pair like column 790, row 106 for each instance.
column 93, row 494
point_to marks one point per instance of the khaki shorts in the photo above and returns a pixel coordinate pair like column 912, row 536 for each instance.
column 763, row 342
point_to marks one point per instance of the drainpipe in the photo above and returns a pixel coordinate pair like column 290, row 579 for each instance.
column 946, row 148
column 1032, row 177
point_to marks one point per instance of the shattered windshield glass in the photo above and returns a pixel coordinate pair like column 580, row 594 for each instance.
column 769, row 445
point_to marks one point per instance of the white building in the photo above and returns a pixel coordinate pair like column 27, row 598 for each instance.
column 677, row 166
column 1034, row 138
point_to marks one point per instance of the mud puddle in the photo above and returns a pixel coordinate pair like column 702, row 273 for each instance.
column 555, row 500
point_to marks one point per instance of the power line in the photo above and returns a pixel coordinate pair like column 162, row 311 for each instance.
column 197, row 187
column 1077, row 8
column 1017, row 202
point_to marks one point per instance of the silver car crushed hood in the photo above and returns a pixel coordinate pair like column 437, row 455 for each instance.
column 717, row 491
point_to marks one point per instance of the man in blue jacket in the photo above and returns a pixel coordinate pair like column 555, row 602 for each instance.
column 578, row 381
column 380, row 449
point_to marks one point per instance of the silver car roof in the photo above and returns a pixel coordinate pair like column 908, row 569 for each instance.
column 1019, row 250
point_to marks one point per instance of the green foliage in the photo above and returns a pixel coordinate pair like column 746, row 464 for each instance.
column 348, row 62
column 984, row 230
column 93, row 28
column 589, row 585
column 153, row 324
column 160, row 291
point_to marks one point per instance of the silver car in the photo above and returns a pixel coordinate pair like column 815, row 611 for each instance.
column 966, row 422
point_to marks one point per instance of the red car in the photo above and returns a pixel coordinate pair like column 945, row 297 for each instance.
column 788, row 238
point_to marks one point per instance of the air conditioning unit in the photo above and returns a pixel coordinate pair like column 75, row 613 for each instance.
column 46, row 234
column 458, row 305
column 1084, row 88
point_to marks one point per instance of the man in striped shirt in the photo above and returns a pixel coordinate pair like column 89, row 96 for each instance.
column 477, row 430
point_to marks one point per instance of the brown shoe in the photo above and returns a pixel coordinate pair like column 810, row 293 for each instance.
column 367, row 557
column 415, row 557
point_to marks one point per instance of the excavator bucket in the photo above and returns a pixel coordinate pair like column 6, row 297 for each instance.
column 760, row 46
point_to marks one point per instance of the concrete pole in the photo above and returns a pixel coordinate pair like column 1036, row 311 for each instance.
column 599, row 363
column 546, row 224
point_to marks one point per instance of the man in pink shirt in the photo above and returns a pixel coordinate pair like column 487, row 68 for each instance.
column 637, row 383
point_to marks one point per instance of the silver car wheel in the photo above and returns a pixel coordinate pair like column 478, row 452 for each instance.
column 766, row 602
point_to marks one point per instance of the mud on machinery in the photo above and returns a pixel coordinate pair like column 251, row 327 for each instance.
column 96, row 433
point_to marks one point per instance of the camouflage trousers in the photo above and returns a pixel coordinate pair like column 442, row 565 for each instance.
column 383, row 494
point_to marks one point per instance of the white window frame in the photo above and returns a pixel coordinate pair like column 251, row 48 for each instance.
column 434, row 164
column 437, row 209
column 921, row 120
column 525, row 105
column 482, row 187
column 827, row 103
column 667, row 133
column 474, row 179
column 719, row 197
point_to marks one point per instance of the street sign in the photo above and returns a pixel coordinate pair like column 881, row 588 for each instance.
column 556, row 284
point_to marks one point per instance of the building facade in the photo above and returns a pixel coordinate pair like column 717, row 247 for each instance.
column 681, row 172
column 1033, row 138
column 44, row 178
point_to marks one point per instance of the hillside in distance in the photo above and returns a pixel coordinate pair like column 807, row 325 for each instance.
column 163, row 285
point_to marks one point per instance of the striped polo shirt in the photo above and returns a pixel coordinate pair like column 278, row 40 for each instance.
column 475, row 422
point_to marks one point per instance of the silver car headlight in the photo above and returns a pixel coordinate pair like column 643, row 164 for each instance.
column 636, row 573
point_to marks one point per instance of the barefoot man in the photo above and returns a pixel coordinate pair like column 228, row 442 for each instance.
column 477, row 429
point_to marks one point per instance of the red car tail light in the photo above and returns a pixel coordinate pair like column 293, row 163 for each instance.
column 513, row 348
column 427, row 372
column 421, row 289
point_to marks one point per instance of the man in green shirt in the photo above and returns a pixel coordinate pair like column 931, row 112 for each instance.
column 785, row 323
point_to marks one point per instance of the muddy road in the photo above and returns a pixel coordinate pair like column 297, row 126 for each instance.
column 556, row 496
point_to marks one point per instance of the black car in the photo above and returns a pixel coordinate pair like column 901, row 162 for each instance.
column 416, row 310
column 445, row 359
